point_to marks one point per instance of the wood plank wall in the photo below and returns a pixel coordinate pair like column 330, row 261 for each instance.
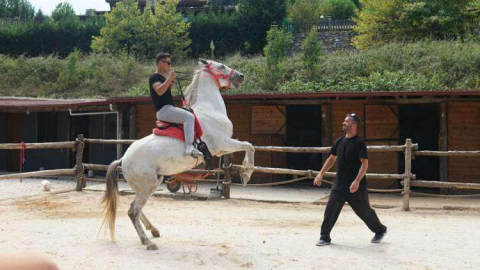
column 380, row 123
column 463, row 120
column 241, row 117
column 145, row 120
column 463, row 123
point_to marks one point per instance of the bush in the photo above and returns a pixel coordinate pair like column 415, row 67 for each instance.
column 338, row 9
column 382, row 22
column 421, row 66
column 303, row 14
column 95, row 75
column 311, row 54
column 35, row 39
column 278, row 44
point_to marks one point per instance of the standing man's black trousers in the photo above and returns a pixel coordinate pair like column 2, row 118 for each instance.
column 360, row 205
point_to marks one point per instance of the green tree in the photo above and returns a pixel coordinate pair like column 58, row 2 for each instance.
column 171, row 31
column 39, row 16
column 122, row 29
column 216, row 3
column 357, row 3
column 278, row 44
column 128, row 30
column 64, row 15
column 377, row 22
column 16, row 9
column 256, row 17
column 436, row 19
column 312, row 53
column 304, row 14
column 475, row 4
column 223, row 29
column 381, row 22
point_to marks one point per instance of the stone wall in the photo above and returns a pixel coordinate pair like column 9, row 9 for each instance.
column 331, row 40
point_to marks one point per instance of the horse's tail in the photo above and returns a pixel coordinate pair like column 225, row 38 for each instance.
column 111, row 197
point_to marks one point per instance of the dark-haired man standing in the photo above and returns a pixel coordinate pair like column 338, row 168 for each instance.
column 350, row 185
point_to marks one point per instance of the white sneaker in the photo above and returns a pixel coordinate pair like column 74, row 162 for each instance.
column 192, row 151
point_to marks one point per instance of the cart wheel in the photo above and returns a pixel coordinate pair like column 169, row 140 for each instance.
column 174, row 186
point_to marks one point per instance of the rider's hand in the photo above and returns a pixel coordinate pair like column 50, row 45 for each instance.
column 172, row 74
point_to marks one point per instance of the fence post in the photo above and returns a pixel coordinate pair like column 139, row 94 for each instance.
column 227, row 169
column 79, row 173
column 407, row 175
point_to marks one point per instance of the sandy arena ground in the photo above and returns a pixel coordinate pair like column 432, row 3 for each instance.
column 235, row 234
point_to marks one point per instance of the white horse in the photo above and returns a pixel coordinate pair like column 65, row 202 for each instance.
column 148, row 159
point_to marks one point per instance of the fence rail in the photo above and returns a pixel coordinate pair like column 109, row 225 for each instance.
column 448, row 153
column 408, row 179
column 48, row 145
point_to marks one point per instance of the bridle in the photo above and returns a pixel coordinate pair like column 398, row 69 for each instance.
column 217, row 75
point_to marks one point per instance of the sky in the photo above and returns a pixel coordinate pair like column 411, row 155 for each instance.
column 80, row 6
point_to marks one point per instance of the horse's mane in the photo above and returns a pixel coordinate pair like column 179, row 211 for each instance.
column 191, row 91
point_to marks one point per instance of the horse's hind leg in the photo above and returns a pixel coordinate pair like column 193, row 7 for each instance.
column 135, row 212
column 144, row 219
column 149, row 225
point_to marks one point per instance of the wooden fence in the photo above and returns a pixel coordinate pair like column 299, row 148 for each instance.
column 407, row 178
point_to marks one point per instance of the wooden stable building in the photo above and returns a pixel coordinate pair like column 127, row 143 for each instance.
column 435, row 120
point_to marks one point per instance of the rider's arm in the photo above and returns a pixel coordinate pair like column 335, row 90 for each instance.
column 160, row 88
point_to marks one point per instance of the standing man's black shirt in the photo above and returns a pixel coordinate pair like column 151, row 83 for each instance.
column 349, row 151
column 166, row 98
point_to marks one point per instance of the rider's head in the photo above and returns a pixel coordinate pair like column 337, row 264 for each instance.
column 163, row 61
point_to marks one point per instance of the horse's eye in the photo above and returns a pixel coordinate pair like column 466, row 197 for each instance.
column 223, row 67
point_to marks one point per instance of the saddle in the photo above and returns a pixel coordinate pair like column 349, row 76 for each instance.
column 176, row 131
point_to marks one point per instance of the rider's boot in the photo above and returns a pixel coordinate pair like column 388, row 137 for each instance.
column 191, row 150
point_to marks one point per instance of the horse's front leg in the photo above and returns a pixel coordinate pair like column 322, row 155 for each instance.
column 231, row 146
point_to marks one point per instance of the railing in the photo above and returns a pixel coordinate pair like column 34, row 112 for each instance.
column 336, row 25
column 407, row 178
column 50, row 145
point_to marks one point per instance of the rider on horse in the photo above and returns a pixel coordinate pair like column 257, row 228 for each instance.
column 160, row 91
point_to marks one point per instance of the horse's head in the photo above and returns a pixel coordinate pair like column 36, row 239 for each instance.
column 224, row 76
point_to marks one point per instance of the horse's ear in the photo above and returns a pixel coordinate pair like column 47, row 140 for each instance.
column 202, row 61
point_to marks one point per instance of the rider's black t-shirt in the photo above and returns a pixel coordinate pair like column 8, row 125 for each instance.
column 349, row 151
column 166, row 98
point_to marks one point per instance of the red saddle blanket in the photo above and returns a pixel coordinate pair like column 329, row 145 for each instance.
column 176, row 131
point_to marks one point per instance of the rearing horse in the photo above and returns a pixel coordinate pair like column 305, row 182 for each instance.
column 147, row 160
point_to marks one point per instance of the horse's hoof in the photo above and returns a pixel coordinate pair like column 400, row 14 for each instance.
column 245, row 179
column 152, row 246
column 155, row 233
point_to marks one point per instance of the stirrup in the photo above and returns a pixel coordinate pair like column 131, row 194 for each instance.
column 193, row 152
